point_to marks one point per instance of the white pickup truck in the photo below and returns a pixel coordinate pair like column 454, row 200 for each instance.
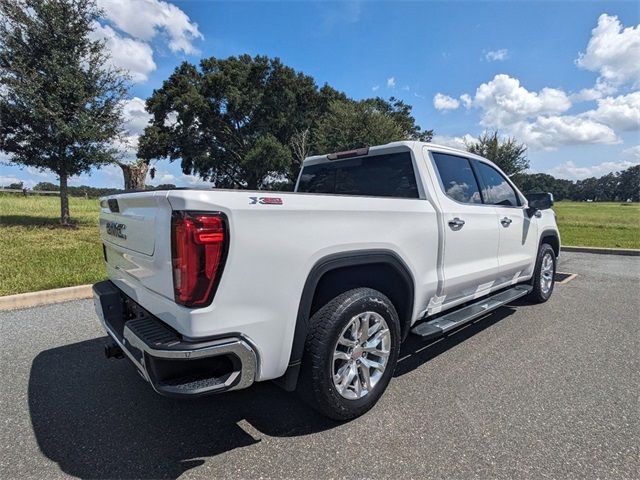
column 212, row 290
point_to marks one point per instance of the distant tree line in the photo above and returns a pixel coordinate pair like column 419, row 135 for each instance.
column 615, row 186
column 82, row 190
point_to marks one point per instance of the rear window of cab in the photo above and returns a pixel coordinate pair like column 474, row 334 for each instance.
column 389, row 175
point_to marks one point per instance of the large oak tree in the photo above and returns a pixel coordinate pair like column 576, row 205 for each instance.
column 60, row 105
column 247, row 122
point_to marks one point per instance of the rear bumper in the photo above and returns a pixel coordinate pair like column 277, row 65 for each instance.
column 170, row 364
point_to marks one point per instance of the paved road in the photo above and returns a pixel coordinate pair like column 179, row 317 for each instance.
column 535, row 391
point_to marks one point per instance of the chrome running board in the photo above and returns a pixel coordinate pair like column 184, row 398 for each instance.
column 431, row 329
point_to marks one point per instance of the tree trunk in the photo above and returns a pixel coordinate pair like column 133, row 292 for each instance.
column 252, row 183
column 64, row 200
column 135, row 175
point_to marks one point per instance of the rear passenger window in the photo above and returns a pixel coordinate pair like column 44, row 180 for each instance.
column 388, row 175
column 457, row 178
column 495, row 188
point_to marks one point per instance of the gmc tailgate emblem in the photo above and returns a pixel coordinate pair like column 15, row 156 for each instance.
column 116, row 230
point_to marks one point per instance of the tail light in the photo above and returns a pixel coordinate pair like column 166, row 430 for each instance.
column 199, row 248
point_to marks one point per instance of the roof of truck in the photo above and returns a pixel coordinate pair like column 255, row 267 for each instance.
column 404, row 143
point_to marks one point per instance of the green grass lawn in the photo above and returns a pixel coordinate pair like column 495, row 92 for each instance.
column 37, row 254
column 607, row 224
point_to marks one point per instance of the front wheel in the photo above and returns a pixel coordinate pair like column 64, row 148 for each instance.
column 350, row 353
column 543, row 279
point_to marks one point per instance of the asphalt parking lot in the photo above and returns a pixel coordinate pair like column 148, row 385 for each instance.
column 528, row 391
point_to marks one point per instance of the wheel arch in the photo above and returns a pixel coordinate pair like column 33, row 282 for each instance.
column 382, row 270
column 552, row 238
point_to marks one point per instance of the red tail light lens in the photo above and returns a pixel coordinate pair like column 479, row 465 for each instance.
column 199, row 248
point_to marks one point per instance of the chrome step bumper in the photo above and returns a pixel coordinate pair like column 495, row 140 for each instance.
column 171, row 365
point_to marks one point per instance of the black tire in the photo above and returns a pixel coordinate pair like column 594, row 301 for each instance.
column 316, row 384
column 538, row 294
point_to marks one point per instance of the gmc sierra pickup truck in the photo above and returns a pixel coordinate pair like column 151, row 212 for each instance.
column 213, row 290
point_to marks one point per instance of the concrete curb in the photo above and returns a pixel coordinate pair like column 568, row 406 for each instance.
column 33, row 299
column 603, row 251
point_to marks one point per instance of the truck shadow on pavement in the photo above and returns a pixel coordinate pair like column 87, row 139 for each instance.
column 96, row 418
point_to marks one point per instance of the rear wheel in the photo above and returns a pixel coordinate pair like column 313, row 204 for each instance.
column 543, row 279
column 350, row 353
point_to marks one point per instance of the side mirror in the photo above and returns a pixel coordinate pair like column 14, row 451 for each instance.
column 539, row 201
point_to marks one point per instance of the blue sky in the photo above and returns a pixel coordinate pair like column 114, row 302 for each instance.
column 564, row 77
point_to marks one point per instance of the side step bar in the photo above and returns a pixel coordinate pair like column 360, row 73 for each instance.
column 437, row 327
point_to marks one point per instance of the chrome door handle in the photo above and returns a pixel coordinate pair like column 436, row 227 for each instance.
column 506, row 221
column 456, row 223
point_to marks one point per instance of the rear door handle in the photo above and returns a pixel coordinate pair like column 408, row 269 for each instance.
column 456, row 223
column 506, row 221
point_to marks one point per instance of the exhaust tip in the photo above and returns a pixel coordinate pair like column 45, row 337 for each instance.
column 111, row 350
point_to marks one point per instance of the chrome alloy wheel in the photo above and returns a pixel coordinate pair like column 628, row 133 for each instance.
column 546, row 273
column 360, row 355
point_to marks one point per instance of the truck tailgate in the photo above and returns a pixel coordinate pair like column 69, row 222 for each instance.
column 129, row 227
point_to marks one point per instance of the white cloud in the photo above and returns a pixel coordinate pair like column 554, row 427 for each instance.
column 160, row 177
column 466, row 100
column 132, row 55
column 146, row 19
column 6, row 180
column 571, row 171
column 504, row 101
column 549, row 133
column 613, row 52
column 445, row 102
column 453, row 141
column 632, row 153
column 600, row 89
column 391, row 82
column 375, row 88
column 621, row 112
column 339, row 13
column 135, row 114
column 136, row 118
column 497, row 55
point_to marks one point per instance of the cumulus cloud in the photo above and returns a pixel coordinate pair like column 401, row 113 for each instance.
column 445, row 102
column 136, row 118
column 391, row 82
column 551, row 132
column 135, row 114
column 540, row 118
column 571, row 171
column 146, row 19
column 466, row 100
column 621, row 112
column 375, row 88
column 504, row 101
column 613, row 52
column 497, row 55
column 162, row 176
column 129, row 27
column 6, row 180
column 454, row 141
column 129, row 54
column 632, row 153
column 599, row 90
